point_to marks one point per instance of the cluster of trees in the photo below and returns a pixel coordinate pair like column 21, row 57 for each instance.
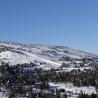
column 77, row 77
column 18, row 81
column 83, row 95
column 4, row 48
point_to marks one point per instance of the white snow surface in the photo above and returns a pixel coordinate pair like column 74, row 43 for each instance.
column 14, row 53
column 16, row 58
column 74, row 89
column 2, row 95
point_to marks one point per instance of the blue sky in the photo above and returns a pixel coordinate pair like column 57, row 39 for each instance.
column 72, row 23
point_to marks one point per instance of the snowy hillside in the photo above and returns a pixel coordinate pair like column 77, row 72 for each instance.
column 49, row 56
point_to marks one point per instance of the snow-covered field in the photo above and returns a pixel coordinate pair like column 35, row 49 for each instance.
column 50, row 56
column 73, row 68
column 73, row 89
column 13, row 58
column 2, row 95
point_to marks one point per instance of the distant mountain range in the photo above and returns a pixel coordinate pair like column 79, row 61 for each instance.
column 43, row 55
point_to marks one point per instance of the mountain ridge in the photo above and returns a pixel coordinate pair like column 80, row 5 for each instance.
column 51, row 56
column 30, row 45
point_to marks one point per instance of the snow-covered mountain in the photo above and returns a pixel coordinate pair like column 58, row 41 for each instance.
column 43, row 55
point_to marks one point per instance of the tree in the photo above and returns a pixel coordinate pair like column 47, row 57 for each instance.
column 97, row 80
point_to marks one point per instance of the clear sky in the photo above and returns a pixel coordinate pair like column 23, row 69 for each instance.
column 72, row 23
